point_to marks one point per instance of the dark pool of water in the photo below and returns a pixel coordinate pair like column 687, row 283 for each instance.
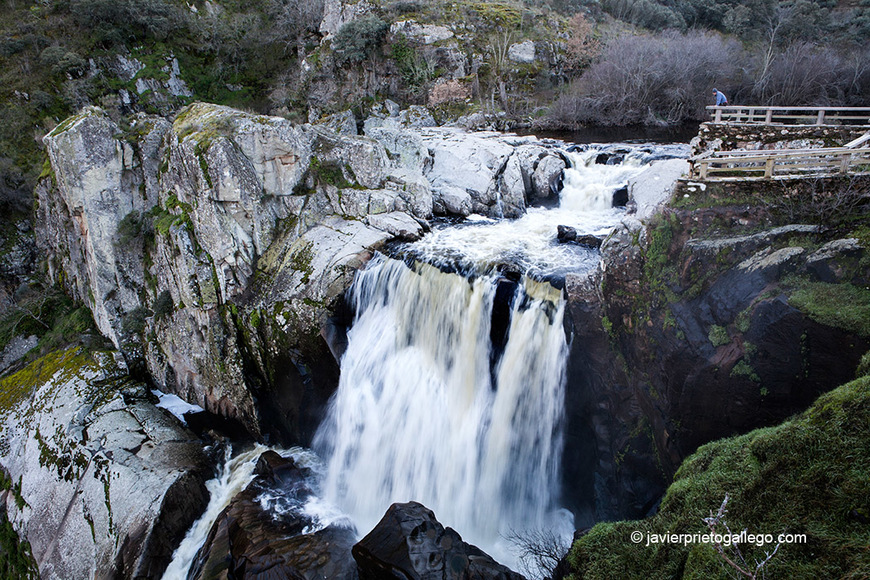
column 630, row 134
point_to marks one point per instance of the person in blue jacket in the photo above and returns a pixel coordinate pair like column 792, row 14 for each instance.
column 721, row 99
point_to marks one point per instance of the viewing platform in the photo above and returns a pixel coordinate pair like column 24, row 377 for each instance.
column 757, row 142
column 749, row 114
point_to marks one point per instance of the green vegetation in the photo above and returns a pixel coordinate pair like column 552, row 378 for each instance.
column 163, row 305
column 130, row 228
column 48, row 314
column 810, row 475
column 16, row 387
column 360, row 40
column 300, row 260
column 718, row 335
column 16, row 560
column 332, row 173
column 841, row 305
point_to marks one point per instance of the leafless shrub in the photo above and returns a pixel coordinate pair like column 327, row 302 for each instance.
column 447, row 91
column 538, row 551
column 802, row 74
column 828, row 202
column 731, row 554
column 651, row 79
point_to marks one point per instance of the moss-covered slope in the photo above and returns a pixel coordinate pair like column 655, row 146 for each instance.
column 810, row 475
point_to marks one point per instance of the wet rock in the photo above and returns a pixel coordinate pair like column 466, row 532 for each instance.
column 249, row 541
column 409, row 543
column 620, row 197
column 556, row 184
column 566, row 234
column 547, row 178
column 589, row 241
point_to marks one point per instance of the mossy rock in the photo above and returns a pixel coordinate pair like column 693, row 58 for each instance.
column 809, row 476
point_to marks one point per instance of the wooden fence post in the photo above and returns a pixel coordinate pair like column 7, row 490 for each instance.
column 718, row 115
column 820, row 120
column 768, row 167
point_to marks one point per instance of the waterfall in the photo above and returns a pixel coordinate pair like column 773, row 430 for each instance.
column 422, row 414
column 235, row 474
column 588, row 186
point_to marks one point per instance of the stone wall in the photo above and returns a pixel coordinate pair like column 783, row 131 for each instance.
column 728, row 137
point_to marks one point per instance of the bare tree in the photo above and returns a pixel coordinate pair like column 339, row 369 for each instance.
column 538, row 551
column 499, row 44
column 732, row 555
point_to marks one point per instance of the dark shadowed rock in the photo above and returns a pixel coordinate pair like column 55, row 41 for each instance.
column 589, row 241
column 620, row 197
column 409, row 543
column 247, row 541
column 556, row 184
column 566, row 234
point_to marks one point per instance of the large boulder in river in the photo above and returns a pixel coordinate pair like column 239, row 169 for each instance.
column 488, row 173
column 409, row 543
column 107, row 484
column 251, row 541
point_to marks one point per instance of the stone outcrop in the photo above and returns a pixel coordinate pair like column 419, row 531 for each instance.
column 409, row 542
column 79, row 229
column 488, row 173
column 107, row 484
column 184, row 220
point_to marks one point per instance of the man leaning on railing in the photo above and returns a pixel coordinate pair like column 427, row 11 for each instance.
column 721, row 99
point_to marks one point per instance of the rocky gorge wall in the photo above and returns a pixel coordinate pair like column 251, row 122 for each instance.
column 213, row 250
column 715, row 317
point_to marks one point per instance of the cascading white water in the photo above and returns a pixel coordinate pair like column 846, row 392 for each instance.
column 529, row 242
column 588, row 186
column 419, row 415
column 235, row 474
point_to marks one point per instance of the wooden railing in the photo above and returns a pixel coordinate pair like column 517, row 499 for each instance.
column 789, row 163
column 791, row 115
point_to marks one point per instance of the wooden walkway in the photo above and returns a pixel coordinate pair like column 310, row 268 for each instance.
column 859, row 116
column 781, row 164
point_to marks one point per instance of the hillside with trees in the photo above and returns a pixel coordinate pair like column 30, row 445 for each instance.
column 559, row 63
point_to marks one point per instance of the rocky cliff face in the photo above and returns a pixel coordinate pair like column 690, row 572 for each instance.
column 212, row 249
column 704, row 323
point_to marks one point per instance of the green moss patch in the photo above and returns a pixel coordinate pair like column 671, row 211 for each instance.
column 842, row 305
column 18, row 386
column 810, row 475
